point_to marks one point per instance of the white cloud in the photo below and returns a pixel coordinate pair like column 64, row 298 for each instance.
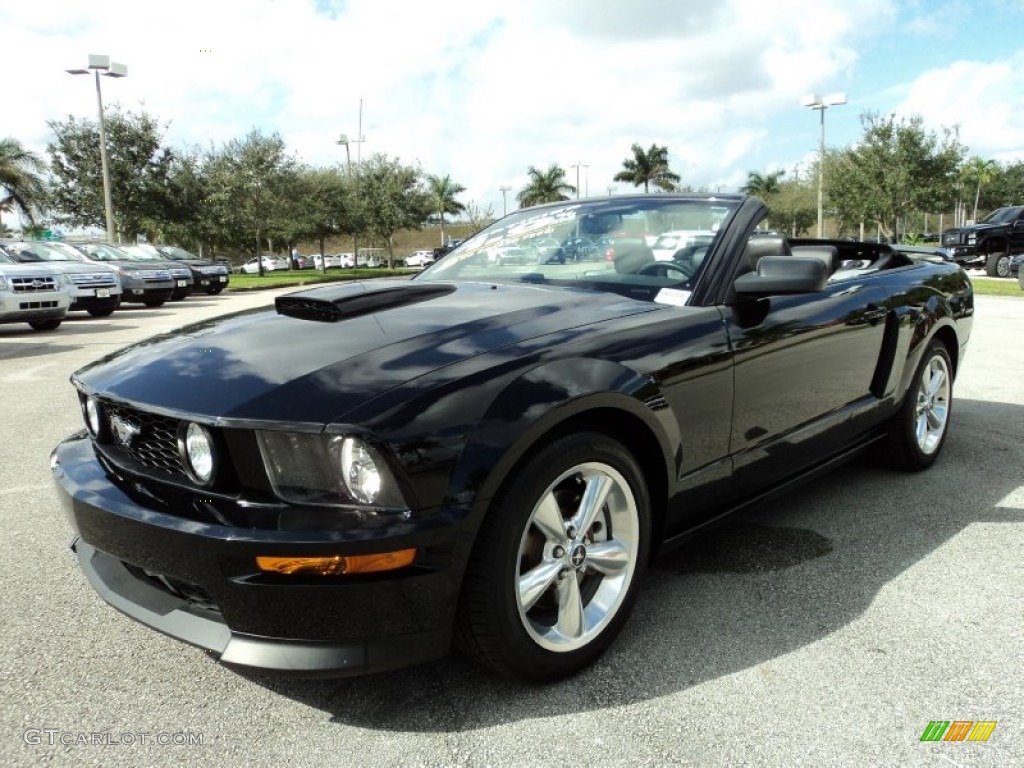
column 479, row 90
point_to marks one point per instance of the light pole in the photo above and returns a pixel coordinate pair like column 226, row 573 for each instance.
column 577, row 166
column 504, row 206
column 110, row 69
column 821, row 103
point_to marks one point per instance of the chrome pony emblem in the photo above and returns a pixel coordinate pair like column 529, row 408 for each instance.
column 124, row 431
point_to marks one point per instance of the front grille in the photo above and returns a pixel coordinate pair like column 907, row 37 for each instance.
column 33, row 284
column 213, row 270
column 37, row 305
column 155, row 275
column 190, row 593
column 181, row 273
column 148, row 440
column 98, row 278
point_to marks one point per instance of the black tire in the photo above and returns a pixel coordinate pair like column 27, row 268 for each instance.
column 997, row 264
column 101, row 311
column 213, row 290
column 529, row 530
column 45, row 325
column 155, row 302
column 918, row 431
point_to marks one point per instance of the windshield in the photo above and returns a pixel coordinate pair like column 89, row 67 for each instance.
column 142, row 253
column 26, row 252
column 100, row 252
column 651, row 241
column 1001, row 215
column 174, row 252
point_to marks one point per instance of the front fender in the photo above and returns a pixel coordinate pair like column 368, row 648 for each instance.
column 544, row 398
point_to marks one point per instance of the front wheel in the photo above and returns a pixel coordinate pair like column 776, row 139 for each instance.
column 45, row 325
column 100, row 311
column 997, row 265
column 154, row 302
column 918, row 431
column 554, row 573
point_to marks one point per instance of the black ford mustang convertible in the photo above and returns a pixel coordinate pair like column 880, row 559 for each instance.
column 491, row 453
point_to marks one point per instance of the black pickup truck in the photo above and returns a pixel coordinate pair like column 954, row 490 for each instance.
column 991, row 243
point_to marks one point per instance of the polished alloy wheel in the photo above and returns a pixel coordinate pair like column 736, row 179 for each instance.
column 932, row 411
column 577, row 556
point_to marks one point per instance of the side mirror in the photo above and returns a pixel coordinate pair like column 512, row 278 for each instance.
column 783, row 274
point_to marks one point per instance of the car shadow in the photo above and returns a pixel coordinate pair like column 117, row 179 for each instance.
column 764, row 585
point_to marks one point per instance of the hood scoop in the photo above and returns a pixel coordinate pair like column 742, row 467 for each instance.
column 330, row 305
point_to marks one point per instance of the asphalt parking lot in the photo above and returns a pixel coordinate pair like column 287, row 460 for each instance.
column 828, row 628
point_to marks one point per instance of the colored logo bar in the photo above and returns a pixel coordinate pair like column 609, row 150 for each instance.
column 958, row 730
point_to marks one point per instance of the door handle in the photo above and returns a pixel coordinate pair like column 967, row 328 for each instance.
column 874, row 313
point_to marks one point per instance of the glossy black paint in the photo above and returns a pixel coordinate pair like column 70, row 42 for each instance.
column 722, row 400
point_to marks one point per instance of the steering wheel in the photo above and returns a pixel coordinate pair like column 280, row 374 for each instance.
column 663, row 268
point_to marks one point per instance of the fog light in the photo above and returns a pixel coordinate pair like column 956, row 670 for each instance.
column 92, row 416
column 336, row 565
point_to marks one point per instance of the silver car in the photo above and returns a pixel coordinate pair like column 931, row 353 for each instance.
column 95, row 288
column 33, row 294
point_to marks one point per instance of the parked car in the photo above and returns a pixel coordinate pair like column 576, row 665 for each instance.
column 270, row 264
column 32, row 293
column 514, row 254
column 669, row 243
column 419, row 259
column 141, row 281
column 371, row 469
column 181, row 272
column 208, row 276
column 95, row 288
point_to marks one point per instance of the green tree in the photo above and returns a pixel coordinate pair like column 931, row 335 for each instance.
column 547, row 186
column 443, row 193
column 139, row 170
column 317, row 205
column 249, row 179
column 793, row 207
column 392, row 199
column 1006, row 187
column 21, row 179
column 189, row 217
column 764, row 185
column 648, row 167
column 981, row 172
column 896, row 168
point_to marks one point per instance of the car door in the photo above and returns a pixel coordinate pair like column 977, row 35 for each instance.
column 803, row 366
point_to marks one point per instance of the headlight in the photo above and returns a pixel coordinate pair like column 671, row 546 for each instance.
column 359, row 470
column 329, row 470
column 3, row 284
column 196, row 446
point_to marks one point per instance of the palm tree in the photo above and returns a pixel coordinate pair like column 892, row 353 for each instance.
column 982, row 171
column 650, row 167
column 547, row 186
column 20, row 172
column 443, row 192
column 762, row 185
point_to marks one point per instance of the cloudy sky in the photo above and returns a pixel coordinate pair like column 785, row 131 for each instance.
column 481, row 90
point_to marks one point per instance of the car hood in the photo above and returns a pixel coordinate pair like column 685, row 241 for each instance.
column 337, row 347
column 78, row 267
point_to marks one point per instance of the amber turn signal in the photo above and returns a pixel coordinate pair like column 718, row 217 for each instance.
column 337, row 565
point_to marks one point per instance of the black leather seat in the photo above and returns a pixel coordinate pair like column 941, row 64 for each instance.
column 760, row 246
column 827, row 254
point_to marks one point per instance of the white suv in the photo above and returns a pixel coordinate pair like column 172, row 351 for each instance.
column 33, row 294
column 96, row 288
column 420, row 259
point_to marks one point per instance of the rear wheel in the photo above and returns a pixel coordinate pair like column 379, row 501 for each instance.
column 997, row 265
column 45, row 325
column 554, row 573
column 918, row 432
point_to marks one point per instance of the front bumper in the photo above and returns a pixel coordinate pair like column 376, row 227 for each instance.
column 197, row 581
